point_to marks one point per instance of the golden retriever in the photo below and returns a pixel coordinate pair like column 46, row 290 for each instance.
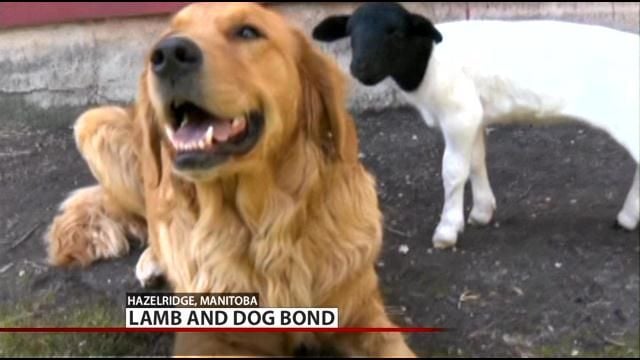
column 239, row 163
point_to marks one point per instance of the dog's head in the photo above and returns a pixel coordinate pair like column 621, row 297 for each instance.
column 230, row 85
column 386, row 40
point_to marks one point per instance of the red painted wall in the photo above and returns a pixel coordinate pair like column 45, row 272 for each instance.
column 13, row 14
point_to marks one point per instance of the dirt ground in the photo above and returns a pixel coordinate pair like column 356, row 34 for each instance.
column 551, row 275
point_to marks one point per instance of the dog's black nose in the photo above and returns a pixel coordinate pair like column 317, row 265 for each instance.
column 175, row 56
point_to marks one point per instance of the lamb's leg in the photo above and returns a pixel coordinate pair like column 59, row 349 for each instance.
column 459, row 132
column 484, row 202
column 630, row 213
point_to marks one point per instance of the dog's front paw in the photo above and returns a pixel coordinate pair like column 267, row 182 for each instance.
column 148, row 271
column 84, row 231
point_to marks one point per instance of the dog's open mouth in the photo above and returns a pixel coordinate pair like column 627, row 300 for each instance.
column 202, row 140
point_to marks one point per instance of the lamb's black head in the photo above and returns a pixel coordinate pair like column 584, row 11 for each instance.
column 386, row 40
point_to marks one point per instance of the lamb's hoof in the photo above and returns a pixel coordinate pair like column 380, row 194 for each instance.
column 483, row 211
column 626, row 222
column 445, row 238
column 148, row 272
column 480, row 218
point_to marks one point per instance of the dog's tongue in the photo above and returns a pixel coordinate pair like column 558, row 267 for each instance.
column 194, row 128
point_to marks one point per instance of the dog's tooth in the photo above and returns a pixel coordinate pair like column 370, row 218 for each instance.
column 185, row 121
column 201, row 144
column 170, row 133
column 237, row 122
column 209, row 135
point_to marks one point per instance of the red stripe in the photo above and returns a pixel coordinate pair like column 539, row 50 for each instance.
column 235, row 330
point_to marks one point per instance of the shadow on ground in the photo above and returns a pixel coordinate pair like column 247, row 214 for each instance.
column 549, row 276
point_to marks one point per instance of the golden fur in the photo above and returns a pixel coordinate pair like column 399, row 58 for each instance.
column 296, row 219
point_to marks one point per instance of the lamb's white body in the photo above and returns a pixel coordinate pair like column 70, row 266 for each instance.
column 487, row 72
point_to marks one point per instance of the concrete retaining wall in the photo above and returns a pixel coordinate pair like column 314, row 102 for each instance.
column 44, row 70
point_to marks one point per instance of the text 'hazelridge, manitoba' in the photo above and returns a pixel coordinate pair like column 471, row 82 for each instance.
column 167, row 300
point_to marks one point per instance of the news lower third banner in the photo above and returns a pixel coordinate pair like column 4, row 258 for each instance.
column 163, row 310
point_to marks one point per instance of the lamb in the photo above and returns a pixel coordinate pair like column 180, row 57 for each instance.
column 490, row 72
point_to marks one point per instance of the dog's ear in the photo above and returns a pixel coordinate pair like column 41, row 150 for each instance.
column 331, row 28
column 147, row 127
column 421, row 26
column 323, row 105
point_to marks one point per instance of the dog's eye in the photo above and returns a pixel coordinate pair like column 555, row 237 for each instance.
column 248, row 32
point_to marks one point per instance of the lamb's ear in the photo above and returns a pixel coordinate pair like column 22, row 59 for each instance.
column 331, row 28
column 421, row 26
